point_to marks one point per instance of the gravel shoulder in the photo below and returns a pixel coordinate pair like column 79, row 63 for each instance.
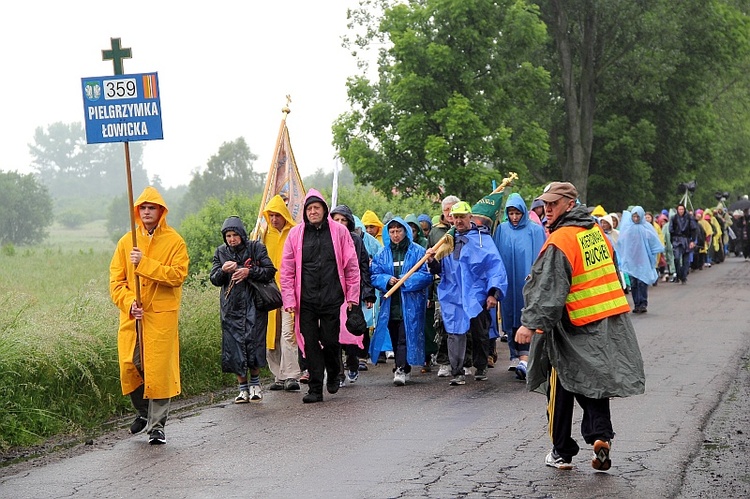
column 722, row 467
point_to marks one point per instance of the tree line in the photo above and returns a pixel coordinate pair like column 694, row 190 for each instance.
column 65, row 167
column 624, row 98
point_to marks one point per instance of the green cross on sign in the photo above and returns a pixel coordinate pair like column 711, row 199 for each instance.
column 116, row 55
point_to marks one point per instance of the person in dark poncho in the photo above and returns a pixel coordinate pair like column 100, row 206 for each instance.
column 243, row 327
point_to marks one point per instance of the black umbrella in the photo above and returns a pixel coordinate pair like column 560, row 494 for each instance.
column 740, row 204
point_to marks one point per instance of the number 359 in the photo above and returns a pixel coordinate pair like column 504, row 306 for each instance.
column 120, row 89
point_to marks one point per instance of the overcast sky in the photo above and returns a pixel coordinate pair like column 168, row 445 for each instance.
column 224, row 68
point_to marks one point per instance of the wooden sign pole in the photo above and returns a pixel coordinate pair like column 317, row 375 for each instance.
column 116, row 54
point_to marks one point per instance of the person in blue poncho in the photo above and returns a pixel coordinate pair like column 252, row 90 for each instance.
column 425, row 222
column 372, row 246
column 401, row 317
column 637, row 248
column 519, row 241
column 484, row 212
column 472, row 281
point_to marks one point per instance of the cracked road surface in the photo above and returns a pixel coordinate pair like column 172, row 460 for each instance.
column 430, row 440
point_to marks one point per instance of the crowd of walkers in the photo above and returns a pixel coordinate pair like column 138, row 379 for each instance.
column 438, row 293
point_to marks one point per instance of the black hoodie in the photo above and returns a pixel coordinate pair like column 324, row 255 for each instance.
column 320, row 278
column 366, row 289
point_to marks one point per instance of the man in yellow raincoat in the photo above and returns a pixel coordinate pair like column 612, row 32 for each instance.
column 150, row 371
column 281, row 344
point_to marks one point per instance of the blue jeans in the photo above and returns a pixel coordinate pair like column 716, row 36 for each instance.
column 639, row 289
column 517, row 349
column 681, row 262
column 511, row 343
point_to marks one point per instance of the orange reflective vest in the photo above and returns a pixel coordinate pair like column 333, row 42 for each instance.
column 595, row 289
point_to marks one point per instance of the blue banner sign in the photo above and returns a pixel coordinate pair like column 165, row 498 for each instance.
column 122, row 108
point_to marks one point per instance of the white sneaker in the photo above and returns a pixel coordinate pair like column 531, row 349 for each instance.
column 399, row 377
column 255, row 393
column 467, row 371
column 555, row 461
column 242, row 398
column 444, row 371
column 390, row 355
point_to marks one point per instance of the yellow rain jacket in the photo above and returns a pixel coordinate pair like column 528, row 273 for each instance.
column 274, row 242
column 599, row 212
column 718, row 238
column 709, row 230
column 370, row 218
column 659, row 233
column 162, row 270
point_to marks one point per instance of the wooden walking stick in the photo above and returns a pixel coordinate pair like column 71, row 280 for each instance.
column 448, row 236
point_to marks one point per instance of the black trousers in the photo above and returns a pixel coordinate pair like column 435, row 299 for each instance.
column 596, row 423
column 319, row 327
column 352, row 353
column 397, row 332
column 479, row 329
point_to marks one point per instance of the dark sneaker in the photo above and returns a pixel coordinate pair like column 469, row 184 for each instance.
column 276, row 386
column 480, row 375
column 333, row 387
column 311, row 398
column 291, row 385
column 362, row 365
column 556, row 461
column 156, row 437
column 601, row 461
column 138, row 425
column 458, row 380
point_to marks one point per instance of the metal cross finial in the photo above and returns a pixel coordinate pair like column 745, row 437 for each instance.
column 286, row 109
column 116, row 54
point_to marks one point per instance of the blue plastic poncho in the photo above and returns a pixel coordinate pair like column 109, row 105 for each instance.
column 465, row 282
column 372, row 246
column 638, row 246
column 413, row 298
column 519, row 246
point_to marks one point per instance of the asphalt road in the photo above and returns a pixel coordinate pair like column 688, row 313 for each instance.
column 427, row 439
